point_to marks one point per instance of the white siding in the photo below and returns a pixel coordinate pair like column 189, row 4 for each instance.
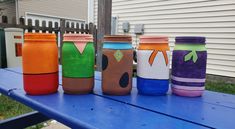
column 75, row 9
column 9, row 10
column 95, row 11
column 214, row 19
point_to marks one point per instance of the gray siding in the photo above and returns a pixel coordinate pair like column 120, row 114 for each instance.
column 214, row 19
column 9, row 10
column 76, row 9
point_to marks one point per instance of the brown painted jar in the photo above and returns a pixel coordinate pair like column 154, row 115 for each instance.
column 117, row 65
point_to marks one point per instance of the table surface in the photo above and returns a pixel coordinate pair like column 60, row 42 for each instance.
column 96, row 110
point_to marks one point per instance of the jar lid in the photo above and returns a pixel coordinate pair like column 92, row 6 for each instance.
column 118, row 38
column 153, row 39
column 78, row 37
column 190, row 40
column 40, row 37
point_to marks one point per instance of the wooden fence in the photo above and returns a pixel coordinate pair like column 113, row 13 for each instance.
column 64, row 27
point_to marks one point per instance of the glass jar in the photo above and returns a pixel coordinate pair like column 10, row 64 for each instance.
column 40, row 63
column 153, row 65
column 189, row 66
column 117, row 63
column 78, row 60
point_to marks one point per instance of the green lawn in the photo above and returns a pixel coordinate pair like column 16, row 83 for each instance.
column 221, row 87
column 10, row 108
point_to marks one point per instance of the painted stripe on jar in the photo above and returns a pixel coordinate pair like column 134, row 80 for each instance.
column 187, row 79
column 187, row 87
column 191, row 84
column 121, row 46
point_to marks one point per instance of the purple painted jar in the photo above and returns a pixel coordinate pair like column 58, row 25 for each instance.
column 189, row 66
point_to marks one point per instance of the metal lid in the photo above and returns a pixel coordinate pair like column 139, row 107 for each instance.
column 39, row 37
column 190, row 40
column 78, row 37
column 153, row 39
column 118, row 38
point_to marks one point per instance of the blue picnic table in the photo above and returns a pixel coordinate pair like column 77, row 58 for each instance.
column 134, row 111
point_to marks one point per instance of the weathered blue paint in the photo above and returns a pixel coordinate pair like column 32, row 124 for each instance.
column 212, row 110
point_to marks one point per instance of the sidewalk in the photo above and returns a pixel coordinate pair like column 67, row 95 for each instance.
column 56, row 125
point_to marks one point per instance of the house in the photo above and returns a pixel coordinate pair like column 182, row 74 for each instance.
column 7, row 8
column 210, row 18
column 71, row 10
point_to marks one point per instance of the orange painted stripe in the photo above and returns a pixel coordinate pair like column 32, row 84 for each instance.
column 152, row 56
column 160, row 47
column 151, row 46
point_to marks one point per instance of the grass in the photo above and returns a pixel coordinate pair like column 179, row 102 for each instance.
column 10, row 108
column 220, row 87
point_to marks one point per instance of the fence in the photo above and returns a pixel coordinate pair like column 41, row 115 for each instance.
column 59, row 30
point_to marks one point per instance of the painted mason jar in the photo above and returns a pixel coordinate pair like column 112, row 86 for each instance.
column 189, row 66
column 117, row 62
column 40, row 63
column 153, row 65
column 78, row 60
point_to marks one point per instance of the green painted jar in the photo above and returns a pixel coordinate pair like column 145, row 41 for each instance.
column 78, row 60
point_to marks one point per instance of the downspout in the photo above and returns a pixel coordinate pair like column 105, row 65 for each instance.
column 17, row 12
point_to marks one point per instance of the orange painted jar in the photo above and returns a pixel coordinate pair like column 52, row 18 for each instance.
column 40, row 63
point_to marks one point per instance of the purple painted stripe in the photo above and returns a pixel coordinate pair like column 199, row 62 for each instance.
column 180, row 79
column 180, row 87
column 189, row 84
